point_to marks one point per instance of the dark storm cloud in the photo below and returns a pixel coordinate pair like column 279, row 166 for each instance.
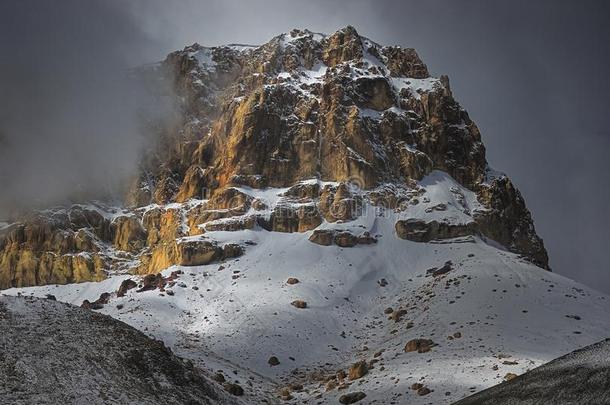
column 533, row 75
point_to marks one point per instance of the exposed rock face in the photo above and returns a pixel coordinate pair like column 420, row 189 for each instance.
column 366, row 122
column 314, row 125
column 508, row 221
column 53, row 248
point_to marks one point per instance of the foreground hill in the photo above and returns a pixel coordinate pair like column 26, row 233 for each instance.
column 54, row 353
column 581, row 377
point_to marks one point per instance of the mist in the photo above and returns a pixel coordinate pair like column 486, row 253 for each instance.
column 533, row 76
column 70, row 110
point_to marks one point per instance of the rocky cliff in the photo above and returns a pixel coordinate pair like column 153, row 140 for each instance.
column 338, row 123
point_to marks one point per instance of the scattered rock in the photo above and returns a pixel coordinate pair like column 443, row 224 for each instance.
column 103, row 299
column 358, row 370
column 292, row 281
column 125, row 286
column 219, row 377
column 322, row 237
column 151, row 282
column 423, row 391
column 352, row 397
column 419, row 345
column 398, row 314
column 366, row 239
column 345, row 239
column 285, row 394
column 273, row 361
column 233, row 389
column 296, row 387
column 447, row 267
column 510, row 376
column 299, row 304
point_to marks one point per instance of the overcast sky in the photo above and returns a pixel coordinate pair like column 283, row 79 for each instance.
column 534, row 75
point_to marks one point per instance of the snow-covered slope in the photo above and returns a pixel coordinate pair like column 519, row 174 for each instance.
column 512, row 316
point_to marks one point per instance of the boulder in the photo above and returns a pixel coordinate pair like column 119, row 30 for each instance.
column 299, row 304
column 345, row 239
column 352, row 397
column 198, row 253
column 233, row 389
column 419, row 345
column 357, row 370
column 125, row 286
column 322, row 237
column 510, row 376
column 366, row 239
column 152, row 282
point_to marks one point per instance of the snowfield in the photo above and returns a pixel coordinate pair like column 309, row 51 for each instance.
column 488, row 312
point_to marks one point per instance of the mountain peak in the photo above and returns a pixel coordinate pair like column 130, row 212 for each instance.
column 340, row 110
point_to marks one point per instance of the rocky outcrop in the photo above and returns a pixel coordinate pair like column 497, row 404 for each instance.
column 418, row 230
column 508, row 221
column 186, row 253
column 345, row 239
column 53, row 248
column 419, row 345
column 129, row 235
